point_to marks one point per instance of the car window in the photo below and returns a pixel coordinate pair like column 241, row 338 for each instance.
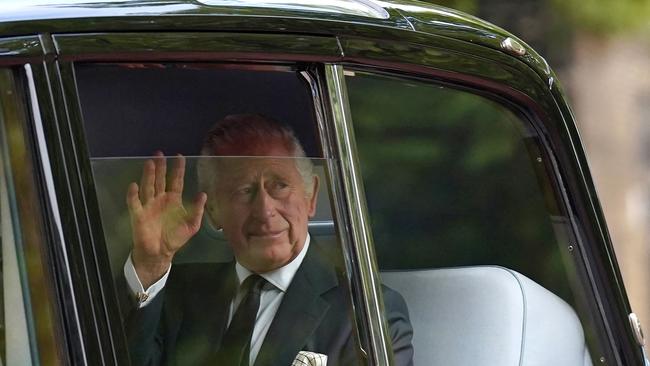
column 226, row 136
column 458, row 192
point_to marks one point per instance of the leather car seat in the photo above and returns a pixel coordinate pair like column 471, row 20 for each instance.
column 488, row 315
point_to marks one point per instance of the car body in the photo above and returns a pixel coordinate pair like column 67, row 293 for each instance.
column 75, row 74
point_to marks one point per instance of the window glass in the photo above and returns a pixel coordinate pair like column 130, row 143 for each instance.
column 245, row 191
column 114, row 174
column 458, row 192
column 449, row 173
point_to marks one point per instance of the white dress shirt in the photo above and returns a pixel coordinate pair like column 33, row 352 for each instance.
column 270, row 299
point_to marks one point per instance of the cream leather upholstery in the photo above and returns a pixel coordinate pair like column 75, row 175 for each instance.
column 488, row 315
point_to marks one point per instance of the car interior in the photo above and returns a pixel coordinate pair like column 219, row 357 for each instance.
column 488, row 315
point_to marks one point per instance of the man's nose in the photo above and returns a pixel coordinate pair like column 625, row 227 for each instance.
column 263, row 204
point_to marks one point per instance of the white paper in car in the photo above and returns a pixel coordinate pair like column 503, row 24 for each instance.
column 306, row 358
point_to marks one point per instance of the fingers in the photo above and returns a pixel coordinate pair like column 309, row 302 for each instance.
column 132, row 198
column 195, row 216
column 161, row 172
column 147, row 189
column 154, row 177
column 178, row 175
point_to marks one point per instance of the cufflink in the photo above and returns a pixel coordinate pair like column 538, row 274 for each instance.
column 141, row 297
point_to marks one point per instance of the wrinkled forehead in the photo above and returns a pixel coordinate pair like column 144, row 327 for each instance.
column 235, row 170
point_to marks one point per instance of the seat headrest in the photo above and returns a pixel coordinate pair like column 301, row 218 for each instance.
column 487, row 315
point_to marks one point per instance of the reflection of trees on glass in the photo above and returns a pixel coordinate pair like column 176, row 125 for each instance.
column 449, row 181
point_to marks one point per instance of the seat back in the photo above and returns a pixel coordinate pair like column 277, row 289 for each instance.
column 488, row 315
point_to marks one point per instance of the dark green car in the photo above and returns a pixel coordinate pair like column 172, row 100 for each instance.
column 450, row 171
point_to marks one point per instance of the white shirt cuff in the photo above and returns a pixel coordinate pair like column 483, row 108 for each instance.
column 142, row 295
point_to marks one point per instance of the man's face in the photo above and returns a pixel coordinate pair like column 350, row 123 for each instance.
column 263, row 207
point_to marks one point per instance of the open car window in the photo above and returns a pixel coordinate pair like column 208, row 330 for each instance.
column 257, row 200
column 132, row 111
column 467, row 224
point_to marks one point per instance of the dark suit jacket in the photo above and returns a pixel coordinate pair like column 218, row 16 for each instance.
column 184, row 325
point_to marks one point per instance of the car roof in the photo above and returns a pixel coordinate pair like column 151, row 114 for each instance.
column 332, row 17
column 367, row 11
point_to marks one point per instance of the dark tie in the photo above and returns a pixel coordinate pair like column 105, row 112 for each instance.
column 235, row 347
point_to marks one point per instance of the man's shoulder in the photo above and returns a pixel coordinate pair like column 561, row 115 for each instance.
column 393, row 300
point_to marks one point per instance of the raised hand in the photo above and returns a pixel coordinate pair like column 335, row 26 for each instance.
column 159, row 223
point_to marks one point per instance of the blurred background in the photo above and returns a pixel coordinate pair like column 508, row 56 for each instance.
column 600, row 50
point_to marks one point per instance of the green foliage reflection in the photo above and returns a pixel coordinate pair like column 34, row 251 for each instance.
column 450, row 181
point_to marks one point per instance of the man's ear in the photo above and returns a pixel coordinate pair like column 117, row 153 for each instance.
column 314, row 196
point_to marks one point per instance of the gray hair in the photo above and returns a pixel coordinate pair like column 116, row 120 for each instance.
column 232, row 133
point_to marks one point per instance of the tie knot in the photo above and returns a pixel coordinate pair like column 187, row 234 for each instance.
column 253, row 283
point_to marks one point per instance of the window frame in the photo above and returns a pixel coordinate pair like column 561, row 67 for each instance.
column 553, row 186
column 170, row 47
column 35, row 217
column 537, row 96
column 524, row 92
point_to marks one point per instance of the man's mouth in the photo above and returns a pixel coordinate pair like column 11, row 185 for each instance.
column 272, row 234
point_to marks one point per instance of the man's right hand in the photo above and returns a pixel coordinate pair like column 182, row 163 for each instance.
column 159, row 223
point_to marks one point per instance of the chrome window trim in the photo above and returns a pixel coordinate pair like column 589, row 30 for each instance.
column 51, row 195
column 359, row 227
column 361, row 8
column 338, row 226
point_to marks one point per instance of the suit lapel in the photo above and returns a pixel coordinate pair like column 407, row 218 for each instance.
column 219, row 304
column 301, row 311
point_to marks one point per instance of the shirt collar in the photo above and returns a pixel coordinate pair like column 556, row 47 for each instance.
column 281, row 278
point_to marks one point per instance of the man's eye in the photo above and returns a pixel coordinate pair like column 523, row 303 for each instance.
column 279, row 189
column 280, row 185
column 244, row 191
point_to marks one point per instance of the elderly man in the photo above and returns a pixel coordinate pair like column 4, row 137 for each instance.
column 283, row 297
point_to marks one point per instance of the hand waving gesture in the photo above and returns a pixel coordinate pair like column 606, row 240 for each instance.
column 160, row 224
